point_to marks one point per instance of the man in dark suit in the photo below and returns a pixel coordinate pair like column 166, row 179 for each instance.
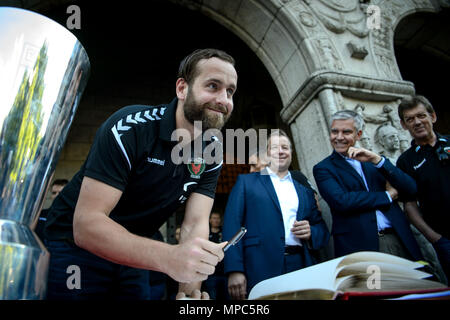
column 361, row 188
column 282, row 220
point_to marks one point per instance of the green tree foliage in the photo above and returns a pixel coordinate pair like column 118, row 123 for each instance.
column 21, row 134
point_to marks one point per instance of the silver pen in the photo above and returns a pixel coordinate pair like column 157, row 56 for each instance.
column 238, row 236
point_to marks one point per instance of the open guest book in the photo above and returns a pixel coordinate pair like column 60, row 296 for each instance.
column 358, row 273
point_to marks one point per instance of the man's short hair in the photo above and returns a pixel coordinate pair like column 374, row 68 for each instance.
column 278, row 133
column 60, row 182
column 188, row 66
column 349, row 114
column 411, row 102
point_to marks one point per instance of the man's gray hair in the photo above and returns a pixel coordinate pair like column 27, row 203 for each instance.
column 349, row 114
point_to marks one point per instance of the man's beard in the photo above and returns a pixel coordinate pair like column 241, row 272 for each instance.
column 193, row 111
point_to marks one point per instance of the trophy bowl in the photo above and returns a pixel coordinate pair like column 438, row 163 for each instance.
column 43, row 72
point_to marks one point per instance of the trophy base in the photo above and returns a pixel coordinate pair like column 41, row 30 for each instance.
column 24, row 263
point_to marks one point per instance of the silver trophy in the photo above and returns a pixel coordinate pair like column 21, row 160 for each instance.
column 43, row 72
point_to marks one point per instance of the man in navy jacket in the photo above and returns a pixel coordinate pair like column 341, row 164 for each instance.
column 282, row 220
column 361, row 189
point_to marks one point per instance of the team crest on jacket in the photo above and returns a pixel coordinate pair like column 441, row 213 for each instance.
column 196, row 167
column 447, row 150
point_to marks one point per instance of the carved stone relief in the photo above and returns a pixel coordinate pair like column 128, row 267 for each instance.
column 327, row 54
column 357, row 51
column 326, row 57
column 383, row 52
column 365, row 141
column 339, row 16
column 387, row 138
column 381, row 39
column 385, row 135
column 307, row 19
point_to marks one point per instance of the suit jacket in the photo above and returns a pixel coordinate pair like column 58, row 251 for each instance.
column 253, row 203
column 353, row 207
column 302, row 179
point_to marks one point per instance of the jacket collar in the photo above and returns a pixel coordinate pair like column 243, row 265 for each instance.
column 268, row 185
column 340, row 162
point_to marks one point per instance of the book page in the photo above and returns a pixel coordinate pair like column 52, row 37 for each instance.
column 324, row 276
column 391, row 282
column 315, row 294
column 383, row 267
column 379, row 256
column 319, row 276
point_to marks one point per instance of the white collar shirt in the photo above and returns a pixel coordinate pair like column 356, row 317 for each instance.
column 288, row 201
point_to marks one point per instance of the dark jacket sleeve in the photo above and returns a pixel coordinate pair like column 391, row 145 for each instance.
column 405, row 185
column 342, row 201
column 233, row 220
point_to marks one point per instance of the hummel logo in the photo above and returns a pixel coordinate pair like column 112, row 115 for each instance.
column 136, row 118
column 182, row 199
column 156, row 161
column 420, row 164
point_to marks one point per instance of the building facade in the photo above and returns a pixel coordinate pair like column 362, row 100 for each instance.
column 301, row 61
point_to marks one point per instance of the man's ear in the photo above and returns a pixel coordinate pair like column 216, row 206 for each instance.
column 181, row 88
column 359, row 135
column 403, row 124
column 433, row 117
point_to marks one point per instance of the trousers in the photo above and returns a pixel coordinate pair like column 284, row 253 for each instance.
column 76, row 274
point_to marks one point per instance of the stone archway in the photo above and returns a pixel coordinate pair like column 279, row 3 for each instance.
column 323, row 57
column 422, row 53
column 284, row 34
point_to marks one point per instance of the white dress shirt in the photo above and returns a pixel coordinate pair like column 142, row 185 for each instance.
column 382, row 221
column 288, row 200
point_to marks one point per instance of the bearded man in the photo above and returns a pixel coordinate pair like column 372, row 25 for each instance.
column 103, row 220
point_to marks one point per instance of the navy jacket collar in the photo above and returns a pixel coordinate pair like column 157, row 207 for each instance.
column 267, row 183
column 340, row 162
